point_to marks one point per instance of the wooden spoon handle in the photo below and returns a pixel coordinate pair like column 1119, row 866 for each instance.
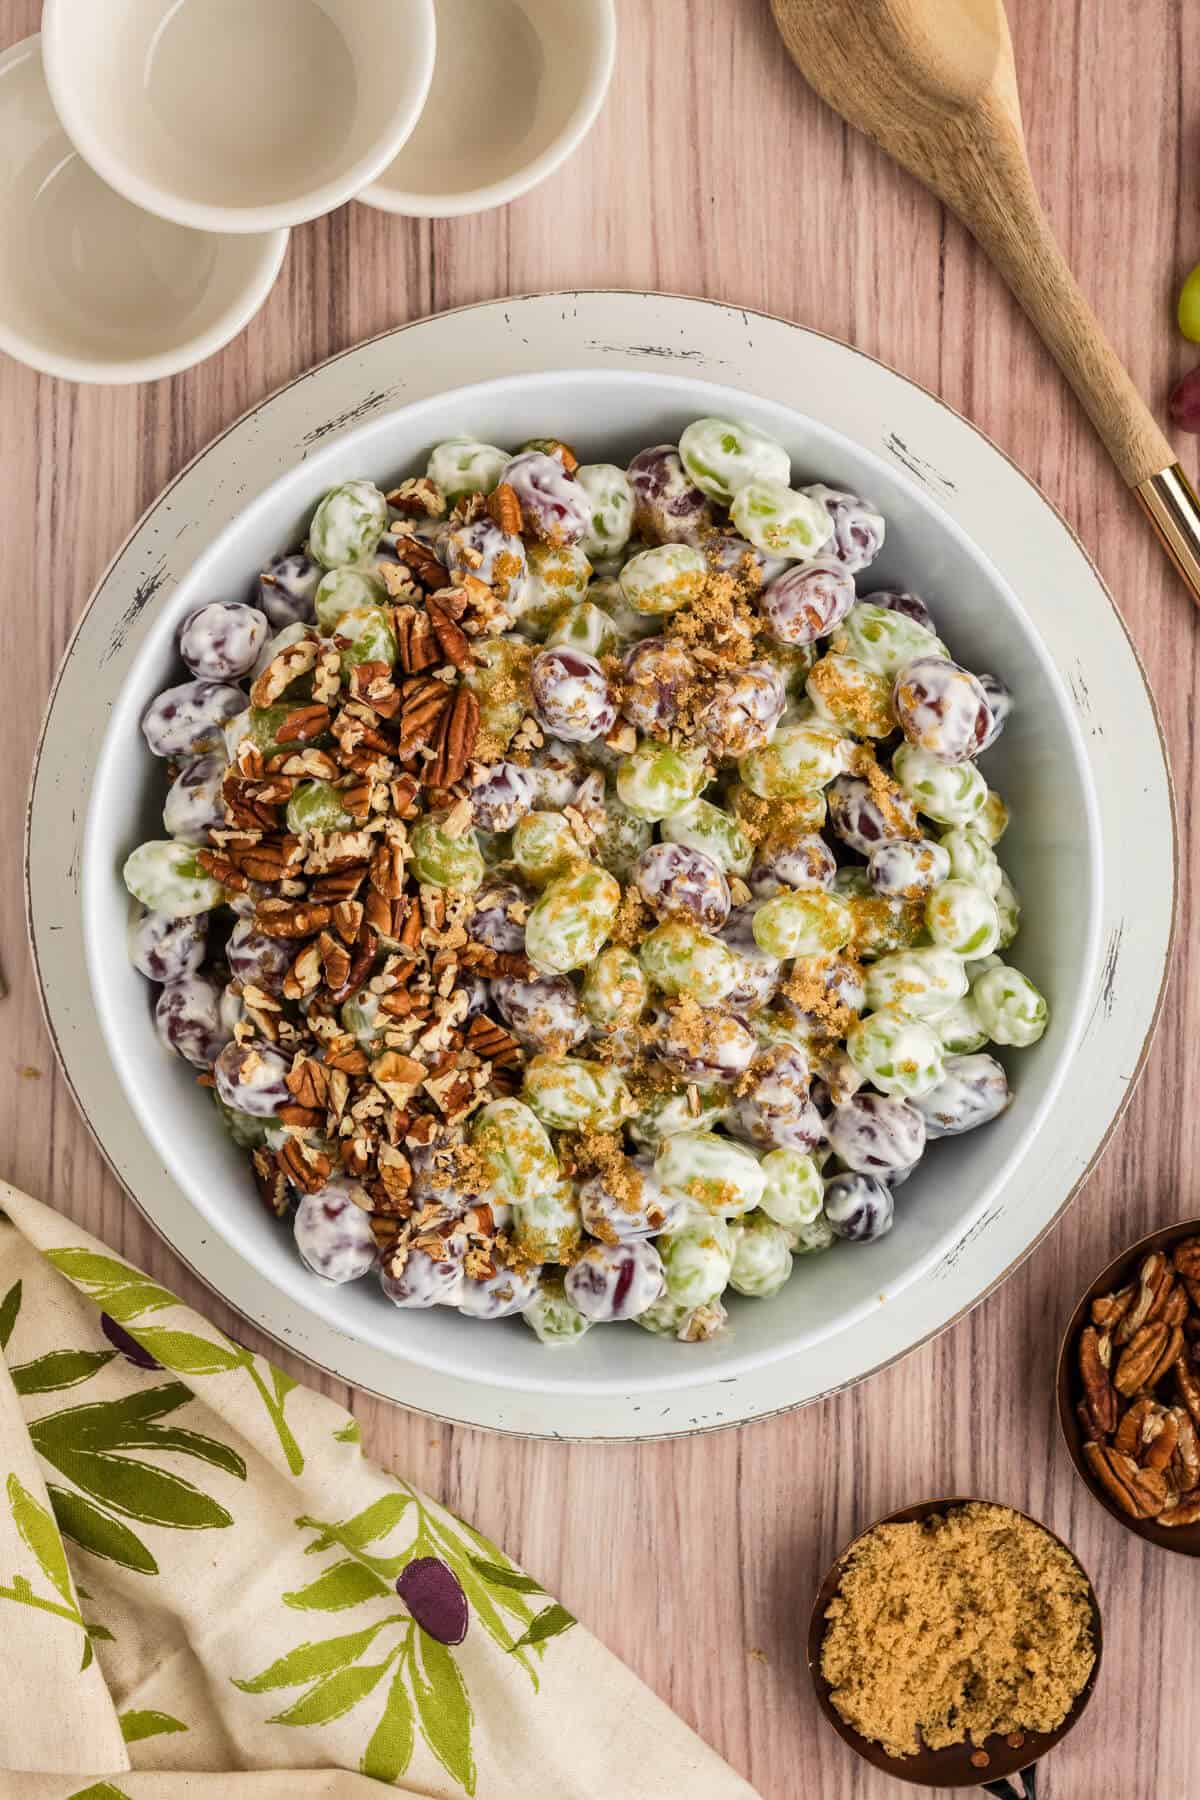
column 993, row 193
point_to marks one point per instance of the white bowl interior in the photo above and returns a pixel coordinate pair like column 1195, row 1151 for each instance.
column 514, row 84
column 241, row 104
column 1050, row 850
column 91, row 286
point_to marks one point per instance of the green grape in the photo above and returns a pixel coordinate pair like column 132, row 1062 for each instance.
column 615, row 990
column 1010, row 1008
column 442, row 861
column 544, row 847
column 347, row 590
column 703, row 826
column 515, row 1149
column 762, row 1260
column 711, row 1171
column 370, row 637
column 806, row 922
column 166, row 877
column 317, row 806
column 348, row 524
column 568, row 925
column 551, row 1316
column 680, row 958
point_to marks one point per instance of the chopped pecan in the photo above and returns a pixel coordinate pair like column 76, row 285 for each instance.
column 387, row 869
column 491, row 1043
column 347, row 919
column 404, row 791
column 418, row 497
column 445, row 608
column 416, row 647
column 1160, row 1435
column 307, row 1118
column 303, row 724
column 397, row 1076
column 218, row 865
column 327, row 676
column 457, row 735
column 339, row 884
column 347, row 1058
column 504, row 509
column 287, row 919
column 1140, row 1358
column 1140, row 1492
column 421, row 561
column 362, row 960
column 395, row 1175
column 372, row 683
column 308, row 1083
column 306, row 1167
column 286, row 666
column 304, row 976
column 274, row 859
column 1093, row 1369
column 335, row 961
column 270, row 1182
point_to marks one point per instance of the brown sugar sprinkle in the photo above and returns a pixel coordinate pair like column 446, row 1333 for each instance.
column 807, row 990
column 885, row 792
column 631, row 923
column 949, row 1630
column 718, row 621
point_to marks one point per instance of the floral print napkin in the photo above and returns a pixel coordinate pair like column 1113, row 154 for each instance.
column 208, row 1593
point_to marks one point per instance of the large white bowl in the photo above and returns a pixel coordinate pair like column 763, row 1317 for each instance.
column 1052, row 851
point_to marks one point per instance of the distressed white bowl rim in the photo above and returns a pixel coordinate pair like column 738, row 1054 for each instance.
column 630, row 331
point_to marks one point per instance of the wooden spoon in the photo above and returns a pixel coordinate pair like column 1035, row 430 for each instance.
column 933, row 83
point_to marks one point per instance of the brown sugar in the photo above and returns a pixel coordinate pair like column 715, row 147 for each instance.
column 946, row 1631
column 888, row 796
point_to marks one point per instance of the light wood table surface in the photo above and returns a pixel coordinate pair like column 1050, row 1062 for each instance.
column 714, row 171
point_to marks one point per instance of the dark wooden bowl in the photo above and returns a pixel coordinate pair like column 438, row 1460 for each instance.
column 1184, row 1539
column 952, row 1767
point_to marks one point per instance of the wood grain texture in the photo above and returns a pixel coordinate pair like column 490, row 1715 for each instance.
column 714, row 170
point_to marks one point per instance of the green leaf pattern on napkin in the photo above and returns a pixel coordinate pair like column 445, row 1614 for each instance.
column 427, row 1692
column 106, row 1484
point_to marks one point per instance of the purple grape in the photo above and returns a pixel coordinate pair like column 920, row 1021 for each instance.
column 859, row 1207
column 490, row 924
column 557, row 771
column 858, row 529
column 554, row 507
column 250, row 1078
column 677, row 881
column 434, row 1596
column 188, row 720
column 759, row 974
column 667, row 509
column 743, row 710
column 942, row 708
column 194, row 807
column 543, row 1011
column 856, row 816
column 615, row 1281
column 427, row 1280
column 801, row 861
column 287, row 589
column 656, row 674
column 257, row 960
column 1185, row 402
column 877, row 1135
column 776, row 1111
column 806, row 602
column 501, row 1295
column 899, row 600
column 188, row 1019
column 222, row 641
column 491, row 555
column 722, row 1048
column 571, row 695
column 164, row 949
column 973, row 1091
column 503, row 797
column 1000, row 701
column 333, row 1234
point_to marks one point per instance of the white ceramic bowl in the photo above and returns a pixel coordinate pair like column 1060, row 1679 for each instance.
column 1052, row 851
column 239, row 115
column 91, row 287
column 516, row 87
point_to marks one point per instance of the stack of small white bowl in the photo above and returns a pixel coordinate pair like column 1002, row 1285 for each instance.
column 155, row 153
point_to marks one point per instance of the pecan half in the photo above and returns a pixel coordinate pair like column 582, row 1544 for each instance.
column 423, row 701
column 1140, row 1358
column 491, row 1043
column 1188, row 1384
column 306, row 1167
column 1093, row 1370
column 416, row 647
column 387, row 869
column 304, row 976
column 1140, row 1492
column 504, row 509
column 1160, row 1435
column 286, row 666
column 1186, row 1511
column 287, row 919
column 1154, row 1280
column 303, row 724
column 335, row 961
column 457, row 735
column 445, row 608
column 421, row 561
column 418, row 497
column 308, row 1083
column 1128, row 1435
column 1186, row 1258
column 1186, row 1464
column 347, row 919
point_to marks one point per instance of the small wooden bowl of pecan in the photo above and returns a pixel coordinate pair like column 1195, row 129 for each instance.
column 1129, row 1388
